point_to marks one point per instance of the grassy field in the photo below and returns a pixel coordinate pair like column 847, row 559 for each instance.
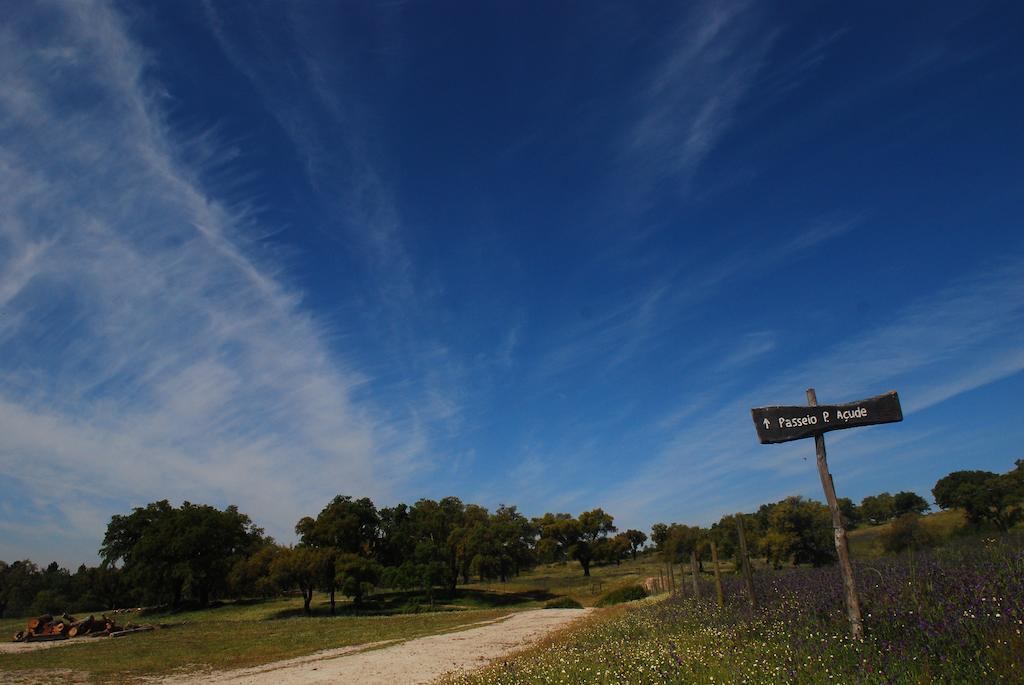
column 567, row 580
column 241, row 634
column 232, row 636
column 951, row 615
column 866, row 542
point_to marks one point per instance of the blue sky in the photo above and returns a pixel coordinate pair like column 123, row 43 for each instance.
column 530, row 253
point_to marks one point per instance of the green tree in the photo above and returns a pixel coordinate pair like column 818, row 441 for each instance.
column 356, row 575
column 4, row 570
column 167, row 551
column 725, row 533
column 593, row 526
column 207, row 544
column 613, row 549
column 563, row 537
column 636, row 540
column 680, row 540
column 515, row 536
column 909, row 503
column 985, row 497
column 494, row 546
column 473, row 536
column 876, row 509
column 430, row 567
column 659, row 534
column 849, row 511
column 345, row 526
column 425, row 545
column 436, row 549
column 556, row 533
column 49, row 601
column 396, row 543
column 143, row 542
column 800, row 530
column 300, row 568
column 251, row 575
column 19, row 584
column 1015, row 481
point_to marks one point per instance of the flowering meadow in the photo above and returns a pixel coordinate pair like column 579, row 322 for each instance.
column 952, row 615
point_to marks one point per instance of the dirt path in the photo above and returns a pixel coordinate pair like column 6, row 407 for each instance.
column 415, row 661
column 18, row 647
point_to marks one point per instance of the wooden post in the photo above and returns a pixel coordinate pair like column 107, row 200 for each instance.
column 748, row 576
column 671, row 578
column 693, row 573
column 661, row 581
column 718, row 575
column 852, row 602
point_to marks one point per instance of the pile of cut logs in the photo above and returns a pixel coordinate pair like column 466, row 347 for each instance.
column 46, row 627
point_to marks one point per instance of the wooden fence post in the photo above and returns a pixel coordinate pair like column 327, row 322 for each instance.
column 693, row 573
column 718, row 575
column 748, row 575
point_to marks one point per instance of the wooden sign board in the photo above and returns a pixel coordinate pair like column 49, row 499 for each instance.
column 782, row 424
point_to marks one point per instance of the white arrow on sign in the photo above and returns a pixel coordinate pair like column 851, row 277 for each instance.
column 767, row 425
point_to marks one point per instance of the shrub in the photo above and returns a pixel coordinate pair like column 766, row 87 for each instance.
column 630, row 593
column 906, row 532
column 563, row 603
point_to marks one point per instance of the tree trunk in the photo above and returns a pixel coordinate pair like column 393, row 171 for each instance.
column 307, row 597
column 586, row 568
column 204, row 596
column 332, row 601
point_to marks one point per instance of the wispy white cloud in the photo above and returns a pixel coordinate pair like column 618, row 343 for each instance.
column 146, row 352
column 693, row 96
column 752, row 346
column 304, row 83
column 299, row 93
column 637, row 319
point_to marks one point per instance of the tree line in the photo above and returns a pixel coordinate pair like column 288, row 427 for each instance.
column 162, row 554
column 166, row 555
column 799, row 531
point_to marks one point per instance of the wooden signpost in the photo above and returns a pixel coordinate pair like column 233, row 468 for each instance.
column 782, row 424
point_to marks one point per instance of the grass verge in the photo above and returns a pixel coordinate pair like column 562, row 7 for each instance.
column 567, row 580
column 209, row 644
